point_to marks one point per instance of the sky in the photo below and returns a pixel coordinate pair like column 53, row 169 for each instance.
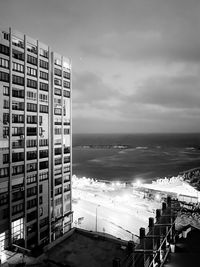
column 136, row 63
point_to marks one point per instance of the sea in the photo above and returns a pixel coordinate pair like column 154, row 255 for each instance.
column 129, row 157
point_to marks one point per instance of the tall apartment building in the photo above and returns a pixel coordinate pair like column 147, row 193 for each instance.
column 35, row 142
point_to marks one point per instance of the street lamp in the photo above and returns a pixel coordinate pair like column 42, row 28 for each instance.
column 96, row 215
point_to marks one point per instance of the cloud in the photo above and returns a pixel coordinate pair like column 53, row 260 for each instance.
column 155, row 46
column 171, row 92
column 89, row 87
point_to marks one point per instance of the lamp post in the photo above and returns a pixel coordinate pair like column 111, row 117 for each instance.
column 96, row 216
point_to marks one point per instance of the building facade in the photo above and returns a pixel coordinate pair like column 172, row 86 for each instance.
column 35, row 142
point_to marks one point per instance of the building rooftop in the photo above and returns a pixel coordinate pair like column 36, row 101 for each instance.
column 85, row 249
column 78, row 248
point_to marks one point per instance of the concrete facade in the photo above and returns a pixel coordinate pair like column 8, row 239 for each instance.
column 35, row 142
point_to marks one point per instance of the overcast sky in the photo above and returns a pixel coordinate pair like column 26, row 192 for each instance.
column 136, row 63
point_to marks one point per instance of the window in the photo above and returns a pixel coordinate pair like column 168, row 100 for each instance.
column 31, row 167
column 31, row 131
column 5, row 158
column 6, row 90
column 66, row 169
column 31, row 155
column 57, row 81
column 66, row 150
column 58, row 191
column 44, row 222
column 40, row 188
column 58, row 181
column 40, row 120
column 57, row 142
column 66, row 159
column 58, row 161
column 31, row 48
column 17, row 170
column 58, row 62
column 4, row 63
column 31, row 119
column 57, row 111
column 66, row 84
column 31, row 216
column 31, row 71
column 40, row 200
column 17, row 194
column 17, row 208
column 17, row 144
column 6, row 104
column 32, row 83
column 58, row 72
column 17, row 105
column 5, row 50
column 43, row 176
column 5, row 214
column 58, row 151
column 44, row 154
column 41, row 213
column 66, row 178
column 17, row 157
column 58, row 201
column 17, row 118
column 66, row 188
column 31, row 229
column 17, row 42
column 57, row 101
column 57, row 130
column 66, row 74
column 43, row 98
column 31, row 143
column 43, row 142
column 4, row 172
column 58, row 171
column 5, row 132
column 17, row 93
column 4, row 77
column 43, row 53
column 6, row 36
column 31, row 107
column 44, row 165
column 31, row 179
column 66, row 131
column 58, row 121
column 44, row 64
column 6, row 118
column 44, row 86
column 44, row 75
column 57, row 91
column 17, row 67
column 32, row 191
column 31, row 203
column 18, row 55
column 16, row 131
column 44, row 109
column 31, row 95
column 3, row 199
column 32, row 60
column 18, row 80
column 17, row 229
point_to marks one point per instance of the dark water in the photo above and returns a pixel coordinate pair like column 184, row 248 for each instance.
column 147, row 156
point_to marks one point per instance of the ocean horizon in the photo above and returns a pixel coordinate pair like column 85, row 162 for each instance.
column 129, row 157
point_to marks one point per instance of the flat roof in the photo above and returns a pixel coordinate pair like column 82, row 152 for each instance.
column 85, row 249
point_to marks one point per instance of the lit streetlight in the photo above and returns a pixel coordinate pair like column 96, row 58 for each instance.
column 96, row 215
